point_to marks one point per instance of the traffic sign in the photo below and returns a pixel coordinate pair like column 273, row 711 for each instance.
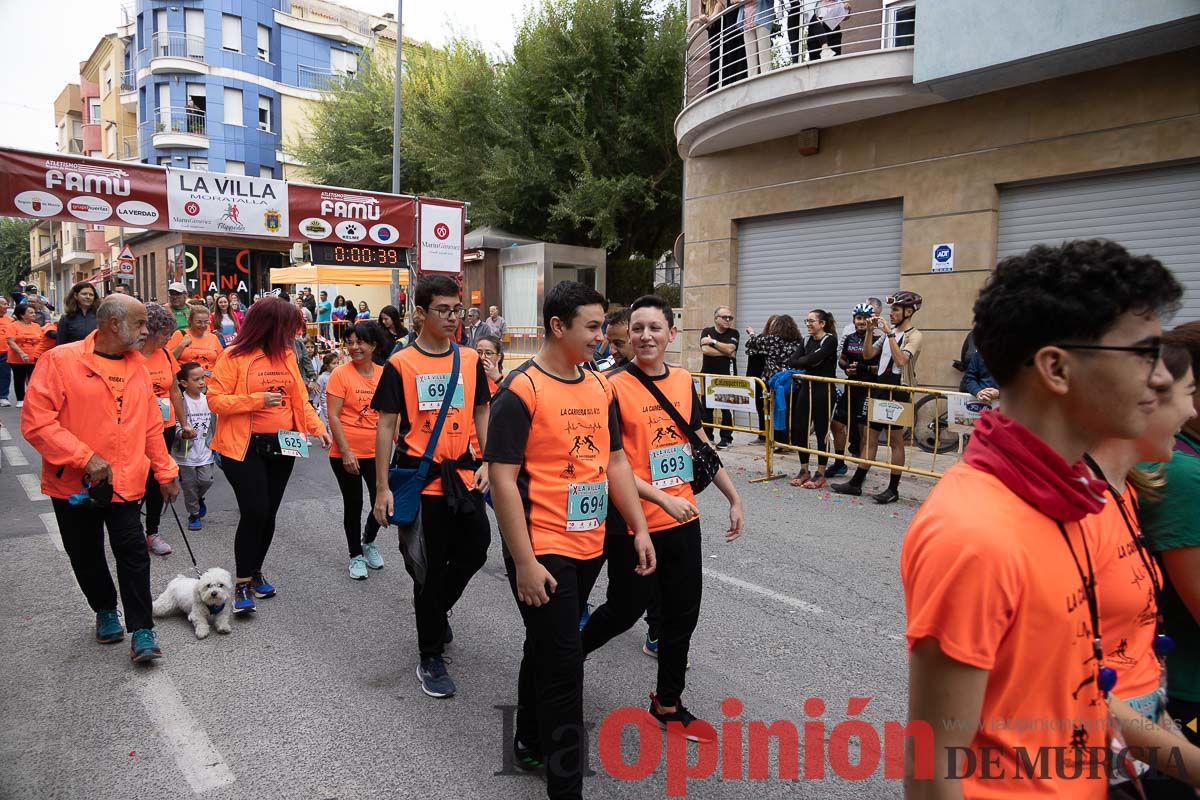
column 125, row 262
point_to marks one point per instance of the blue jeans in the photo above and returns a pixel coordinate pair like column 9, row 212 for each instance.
column 5, row 375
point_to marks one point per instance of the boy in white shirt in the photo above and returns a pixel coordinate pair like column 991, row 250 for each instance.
column 193, row 455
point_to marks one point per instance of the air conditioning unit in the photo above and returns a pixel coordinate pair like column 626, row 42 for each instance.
column 299, row 255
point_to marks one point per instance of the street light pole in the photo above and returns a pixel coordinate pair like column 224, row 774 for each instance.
column 396, row 125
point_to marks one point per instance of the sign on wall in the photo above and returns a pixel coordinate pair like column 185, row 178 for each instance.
column 326, row 214
column 87, row 190
column 441, row 246
column 227, row 204
column 943, row 257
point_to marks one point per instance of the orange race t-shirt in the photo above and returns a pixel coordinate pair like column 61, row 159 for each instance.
column 561, row 433
column 6, row 323
column 29, row 339
column 203, row 350
column 49, row 339
column 992, row 580
column 270, row 375
column 115, row 372
column 657, row 450
column 413, row 384
column 1128, row 609
column 358, row 418
column 164, row 372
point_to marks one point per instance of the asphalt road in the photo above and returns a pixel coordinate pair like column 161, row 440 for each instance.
column 315, row 696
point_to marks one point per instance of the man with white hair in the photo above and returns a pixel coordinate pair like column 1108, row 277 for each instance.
column 90, row 411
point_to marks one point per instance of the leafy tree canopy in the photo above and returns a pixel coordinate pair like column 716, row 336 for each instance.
column 14, row 252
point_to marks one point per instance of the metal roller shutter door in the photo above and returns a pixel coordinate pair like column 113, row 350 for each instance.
column 1154, row 212
column 832, row 259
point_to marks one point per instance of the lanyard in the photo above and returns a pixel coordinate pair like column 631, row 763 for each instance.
column 1106, row 677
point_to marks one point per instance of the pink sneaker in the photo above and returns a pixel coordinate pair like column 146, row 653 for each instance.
column 158, row 545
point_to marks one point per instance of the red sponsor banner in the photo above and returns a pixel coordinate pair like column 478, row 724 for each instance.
column 345, row 216
column 74, row 189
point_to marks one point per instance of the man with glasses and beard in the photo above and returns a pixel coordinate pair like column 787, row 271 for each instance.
column 719, row 344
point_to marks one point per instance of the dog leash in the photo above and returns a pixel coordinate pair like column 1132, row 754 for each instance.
column 195, row 566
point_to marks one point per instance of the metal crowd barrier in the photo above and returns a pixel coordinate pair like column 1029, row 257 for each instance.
column 737, row 393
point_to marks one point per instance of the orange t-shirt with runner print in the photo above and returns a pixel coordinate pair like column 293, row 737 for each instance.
column 270, row 375
column 1128, row 608
column 358, row 418
column 561, row 433
column 164, row 373
column 657, row 450
column 993, row 581
column 413, row 385
column 203, row 350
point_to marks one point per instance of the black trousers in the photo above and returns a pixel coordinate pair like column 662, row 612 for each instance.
column 795, row 21
column 83, row 538
column 456, row 548
column 550, row 685
column 352, row 499
column 679, row 582
column 819, row 35
column 154, row 498
column 810, row 397
column 726, row 418
column 20, row 376
column 258, row 483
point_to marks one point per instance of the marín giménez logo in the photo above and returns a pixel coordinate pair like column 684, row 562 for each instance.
column 441, row 231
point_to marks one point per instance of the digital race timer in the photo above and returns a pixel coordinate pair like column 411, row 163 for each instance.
column 356, row 255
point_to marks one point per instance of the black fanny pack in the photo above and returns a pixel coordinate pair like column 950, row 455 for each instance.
column 265, row 444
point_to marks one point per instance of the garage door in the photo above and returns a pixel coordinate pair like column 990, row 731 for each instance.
column 832, row 259
column 1154, row 212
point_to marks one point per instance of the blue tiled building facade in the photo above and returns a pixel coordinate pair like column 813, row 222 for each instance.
column 214, row 78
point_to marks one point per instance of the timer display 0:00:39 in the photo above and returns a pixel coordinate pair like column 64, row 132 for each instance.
column 363, row 255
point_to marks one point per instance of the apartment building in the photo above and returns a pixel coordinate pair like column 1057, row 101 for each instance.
column 895, row 147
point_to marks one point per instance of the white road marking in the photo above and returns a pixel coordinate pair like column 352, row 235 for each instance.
column 51, row 523
column 5, row 435
column 765, row 592
column 201, row 764
column 32, row 484
column 14, row 456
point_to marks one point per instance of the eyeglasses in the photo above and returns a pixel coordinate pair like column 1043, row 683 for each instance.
column 446, row 312
column 726, row 317
column 1151, row 351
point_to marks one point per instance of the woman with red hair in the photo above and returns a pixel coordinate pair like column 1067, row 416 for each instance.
column 263, row 419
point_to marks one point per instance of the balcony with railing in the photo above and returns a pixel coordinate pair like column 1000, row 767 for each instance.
column 174, row 51
column 316, row 78
column 127, row 19
column 178, row 127
column 330, row 20
column 752, row 77
column 129, row 148
column 75, row 249
column 129, row 88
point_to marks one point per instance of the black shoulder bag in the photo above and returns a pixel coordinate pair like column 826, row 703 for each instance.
column 705, row 461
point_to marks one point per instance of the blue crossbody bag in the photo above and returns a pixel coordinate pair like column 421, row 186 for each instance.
column 407, row 483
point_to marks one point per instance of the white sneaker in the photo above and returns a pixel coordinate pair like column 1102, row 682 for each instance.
column 20, row 403
column 4, row 403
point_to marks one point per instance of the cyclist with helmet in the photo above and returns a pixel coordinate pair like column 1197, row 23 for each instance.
column 857, row 368
column 897, row 366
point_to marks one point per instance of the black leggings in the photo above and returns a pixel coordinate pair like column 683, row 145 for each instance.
column 20, row 375
column 154, row 499
column 819, row 34
column 352, row 498
column 550, row 684
column 679, row 582
column 812, row 396
column 258, row 483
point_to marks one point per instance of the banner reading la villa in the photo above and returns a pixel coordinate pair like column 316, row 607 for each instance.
column 88, row 190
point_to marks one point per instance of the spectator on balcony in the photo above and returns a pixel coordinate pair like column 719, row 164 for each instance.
column 825, row 27
column 758, row 15
column 80, row 319
column 195, row 117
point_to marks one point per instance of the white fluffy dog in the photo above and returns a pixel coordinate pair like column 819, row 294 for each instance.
column 206, row 601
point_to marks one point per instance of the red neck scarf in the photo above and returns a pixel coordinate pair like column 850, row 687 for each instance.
column 1032, row 470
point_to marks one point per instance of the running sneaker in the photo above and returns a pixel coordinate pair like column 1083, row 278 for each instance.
column 20, row 403
column 4, row 403
column 848, row 487
column 836, row 471
column 680, row 716
column 108, row 627
column 886, row 496
column 358, row 568
column 526, row 759
column 373, row 556
column 194, row 522
column 585, row 616
column 243, row 600
column 650, row 648
column 435, row 681
column 143, row 646
column 203, row 509
column 262, row 588
column 722, row 445
column 158, row 545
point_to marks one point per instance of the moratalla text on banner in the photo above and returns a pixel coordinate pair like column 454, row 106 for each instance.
column 229, row 204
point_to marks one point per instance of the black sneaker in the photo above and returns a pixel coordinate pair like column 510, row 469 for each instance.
column 849, row 487
column 721, row 445
column 435, row 681
column 526, row 759
column 681, row 717
column 886, row 496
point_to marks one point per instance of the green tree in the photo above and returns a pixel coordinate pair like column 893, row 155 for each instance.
column 14, row 251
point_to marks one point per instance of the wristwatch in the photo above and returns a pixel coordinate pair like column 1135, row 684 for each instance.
column 892, row 335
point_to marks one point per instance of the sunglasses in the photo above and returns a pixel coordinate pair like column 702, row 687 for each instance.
column 726, row 317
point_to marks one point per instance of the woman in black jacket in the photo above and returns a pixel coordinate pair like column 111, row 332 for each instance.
column 811, row 400
column 80, row 317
